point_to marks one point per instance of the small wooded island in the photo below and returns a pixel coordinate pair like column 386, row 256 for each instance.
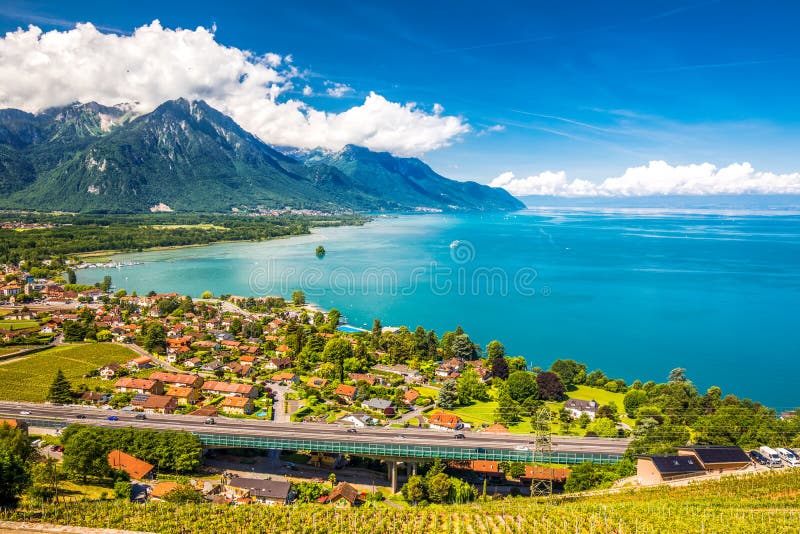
column 320, row 252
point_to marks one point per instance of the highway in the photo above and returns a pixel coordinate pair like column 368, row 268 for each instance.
column 311, row 431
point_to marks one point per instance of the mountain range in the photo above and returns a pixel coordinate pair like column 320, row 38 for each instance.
column 187, row 156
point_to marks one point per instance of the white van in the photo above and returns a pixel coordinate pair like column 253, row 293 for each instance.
column 789, row 457
column 772, row 456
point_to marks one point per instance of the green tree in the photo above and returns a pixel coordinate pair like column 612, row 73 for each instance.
column 570, row 372
column 123, row 489
column 183, row 495
column 155, row 337
column 414, row 489
column 448, row 395
column 14, row 478
column 207, row 295
column 333, row 318
column 71, row 277
column 508, row 411
column 60, row 390
column 320, row 252
column 103, row 335
column 464, row 348
column 105, row 285
column 337, row 350
column 74, row 331
column 298, row 297
column 45, row 479
column 633, row 400
column 522, row 385
column 471, row 387
column 438, row 488
column 603, row 427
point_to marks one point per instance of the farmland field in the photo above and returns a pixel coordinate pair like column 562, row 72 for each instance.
column 14, row 324
column 746, row 505
column 29, row 378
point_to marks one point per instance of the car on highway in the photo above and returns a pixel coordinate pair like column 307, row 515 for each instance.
column 209, row 421
column 140, row 416
column 521, row 448
column 113, row 418
column 401, row 436
column 459, row 436
column 351, row 431
column 24, row 412
column 80, row 416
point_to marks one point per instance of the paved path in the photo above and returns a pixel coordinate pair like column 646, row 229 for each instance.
column 142, row 352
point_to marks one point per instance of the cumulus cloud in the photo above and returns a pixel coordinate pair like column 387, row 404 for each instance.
column 338, row 90
column 656, row 178
column 308, row 91
column 40, row 70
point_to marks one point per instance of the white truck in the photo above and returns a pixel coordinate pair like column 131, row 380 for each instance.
column 788, row 457
column 772, row 456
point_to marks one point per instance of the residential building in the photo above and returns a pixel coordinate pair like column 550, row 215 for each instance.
column 160, row 404
column 184, row 395
column 359, row 420
column 578, row 407
column 384, row 406
column 180, row 380
column 230, row 389
column 136, row 468
column 316, row 382
column 445, row 421
column 270, row 492
column 718, row 459
column 139, row 385
column 142, row 362
column 276, row 364
column 109, row 371
column 346, row 392
column 237, row 405
column 657, row 469
column 285, row 376
column 345, row 496
column 161, row 489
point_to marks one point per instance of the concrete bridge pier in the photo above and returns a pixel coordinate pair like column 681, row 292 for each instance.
column 391, row 473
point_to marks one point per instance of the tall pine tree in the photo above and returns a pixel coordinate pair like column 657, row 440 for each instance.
column 60, row 390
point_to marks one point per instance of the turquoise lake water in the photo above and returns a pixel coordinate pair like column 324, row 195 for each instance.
column 632, row 292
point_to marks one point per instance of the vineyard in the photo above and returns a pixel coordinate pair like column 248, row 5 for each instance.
column 28, row 378
column 753, row 505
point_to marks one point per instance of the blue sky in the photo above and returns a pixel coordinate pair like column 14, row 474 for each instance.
column 589, row 88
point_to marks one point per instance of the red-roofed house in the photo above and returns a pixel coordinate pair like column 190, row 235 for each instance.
column 445, row 421
column 136, row 468
column 346, row 392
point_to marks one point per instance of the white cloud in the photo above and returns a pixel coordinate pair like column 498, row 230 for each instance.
column 492, row 129
column 154, row 64
column 338, row 90
column 657, row 178
column 308, row 91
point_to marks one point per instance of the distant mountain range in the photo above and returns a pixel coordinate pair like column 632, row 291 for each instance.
column 187, row 156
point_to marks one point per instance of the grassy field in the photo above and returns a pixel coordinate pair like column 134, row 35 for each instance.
column 13, row 348
column 29, row 378
column 13, row 324
column 483, row 412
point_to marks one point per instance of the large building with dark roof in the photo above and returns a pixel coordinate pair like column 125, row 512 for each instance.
column 658, row 469
column 718, row 459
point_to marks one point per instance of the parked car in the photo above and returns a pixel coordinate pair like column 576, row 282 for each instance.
column 113, row 418
column 789, row 457
column 758, row 458
column 772, row 455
